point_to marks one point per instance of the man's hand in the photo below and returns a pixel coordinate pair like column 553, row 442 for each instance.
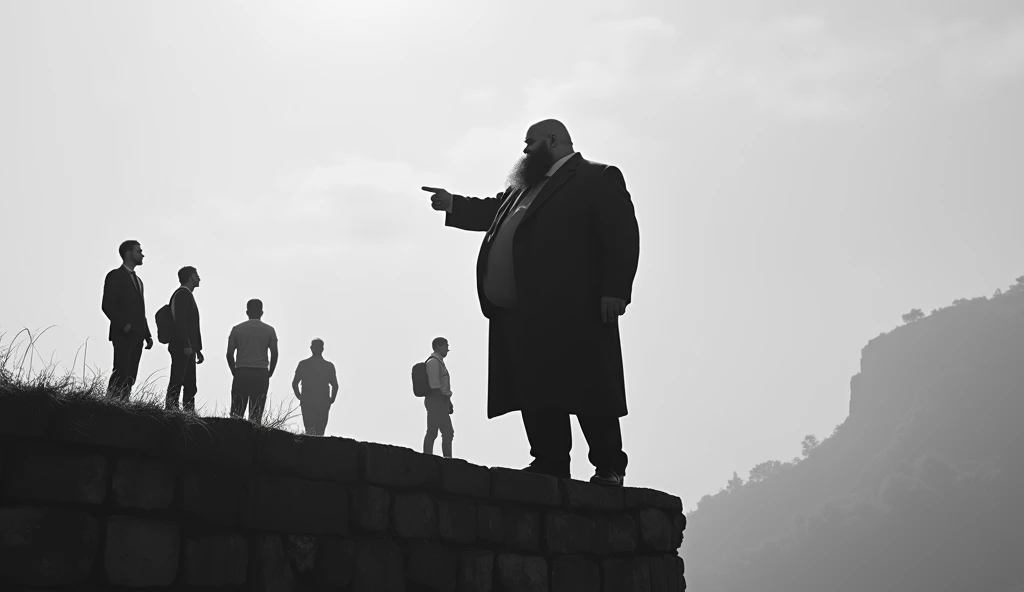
column 127, row 328
column 199, row 357
column 611, row 308
column 149, row 343
column 451, row 407
column 441, row 200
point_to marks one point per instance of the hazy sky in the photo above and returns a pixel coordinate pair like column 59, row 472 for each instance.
column 803, row 174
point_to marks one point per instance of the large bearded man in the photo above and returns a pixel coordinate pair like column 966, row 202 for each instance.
column 555, row 272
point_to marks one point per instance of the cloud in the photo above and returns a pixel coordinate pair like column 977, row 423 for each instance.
column 974, row 59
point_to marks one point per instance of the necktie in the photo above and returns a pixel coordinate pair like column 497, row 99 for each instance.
column 135, row 280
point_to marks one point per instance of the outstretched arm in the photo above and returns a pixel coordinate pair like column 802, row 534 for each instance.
column 473, row 213
column 619, row 233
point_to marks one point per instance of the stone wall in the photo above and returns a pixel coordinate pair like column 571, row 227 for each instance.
column 96, row 497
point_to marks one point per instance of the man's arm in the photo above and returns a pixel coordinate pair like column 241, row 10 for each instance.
column 179, row 309
column 334, row 384
column 273, row 351
column 111, row 299
column 434, row 375
column 473, row 213
column 296, row 381
column 619, row 234
column 232, row 348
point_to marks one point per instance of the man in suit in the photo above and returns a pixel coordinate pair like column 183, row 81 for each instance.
column 124, row 304
column 186, row 347
column 554, row 273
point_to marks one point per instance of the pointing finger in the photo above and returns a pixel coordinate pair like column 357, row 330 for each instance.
column 432, row 189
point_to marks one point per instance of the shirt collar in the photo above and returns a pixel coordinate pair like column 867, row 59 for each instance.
column 558, row 164
column 126, row 268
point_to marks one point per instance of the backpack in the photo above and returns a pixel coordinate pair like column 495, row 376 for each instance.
column 165, row 322
column 420, row 382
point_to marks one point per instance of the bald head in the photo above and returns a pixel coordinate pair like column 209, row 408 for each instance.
column 551, row 132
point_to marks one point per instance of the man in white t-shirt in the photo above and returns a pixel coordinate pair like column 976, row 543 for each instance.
column 251, row 340
column 439, row 401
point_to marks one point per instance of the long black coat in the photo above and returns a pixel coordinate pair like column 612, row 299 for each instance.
column 578, row 241
column 124, row 304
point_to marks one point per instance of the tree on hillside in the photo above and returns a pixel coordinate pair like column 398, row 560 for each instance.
column 810, row 443
column 1019, row 285
column 764, row 470
column 735, row 483
column 915, row 314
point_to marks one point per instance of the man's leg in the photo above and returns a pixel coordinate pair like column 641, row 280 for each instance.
column 239, row 400
column 604, row 436
column 176, row 379
column 119, row 372
column 432, row 429
column 550, row 441
column 132, row 371
column 446, row 429
column 188, row 400
column 258, row 387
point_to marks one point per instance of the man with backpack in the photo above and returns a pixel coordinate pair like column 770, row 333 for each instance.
column 432, row 382
column 178, row 326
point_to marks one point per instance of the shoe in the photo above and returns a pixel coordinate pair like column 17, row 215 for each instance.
column 542, row 471
column 607, row 477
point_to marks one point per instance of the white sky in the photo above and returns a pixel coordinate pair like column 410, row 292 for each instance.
column 802, row 175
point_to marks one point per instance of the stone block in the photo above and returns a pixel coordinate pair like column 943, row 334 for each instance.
column 521, row 486
column 379, row 567
column 277, row 452
column 47, row 546
column 296, row 506
column 476, row 571
column 655, row 530
column 462, row 478
column 95, row 423
column 141, row 552
column 301, row 551
column 490, row 524
column 664, row 577
column 614, row 534
column 432, row 565
column 216, row 559
column 221, row 441
column 415, row 516
column 522, row 529
column 575, row 574
column 626, row 574
column 456, row 521
column 568, row 534
column 143, row 484
column 323, row 458
column 26, row 415
column 270, row 571
column 638, row 498
column 57, row 476
column 336, row 561
column 215, row 497
column 589, row 496
column 394, row 466
column 520, row 573
column 370, row 508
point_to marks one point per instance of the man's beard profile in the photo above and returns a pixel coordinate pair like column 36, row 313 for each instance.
column 532, row 167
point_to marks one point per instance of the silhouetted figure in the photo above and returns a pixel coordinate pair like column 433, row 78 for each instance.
column 124, row 304
column 186, row 346
column 439, row 400
column 554, row 273
column 251, row 339
column 319, row 382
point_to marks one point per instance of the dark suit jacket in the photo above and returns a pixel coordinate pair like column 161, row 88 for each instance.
column 578, row 241
column 124, row 304
column 186, row 321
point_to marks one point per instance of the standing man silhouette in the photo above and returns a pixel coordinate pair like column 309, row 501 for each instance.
column 554, row 273
column 439, row 401
column 319, row 382
column 251, row 339
column 124, row 304
column 186, row 346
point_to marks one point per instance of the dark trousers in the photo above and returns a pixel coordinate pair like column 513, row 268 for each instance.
column 183, row 375
column 551, row 440
column 314, row 415
column 249, row 387
column 439, row 419
column 127, row 354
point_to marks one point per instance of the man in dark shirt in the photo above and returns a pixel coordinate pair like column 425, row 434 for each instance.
column 319, row 382
column 186, row 347
column 125, row 306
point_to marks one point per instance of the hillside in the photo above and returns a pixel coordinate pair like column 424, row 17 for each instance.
column 919, row 489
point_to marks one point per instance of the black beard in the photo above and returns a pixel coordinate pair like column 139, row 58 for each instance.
column 531, row 168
